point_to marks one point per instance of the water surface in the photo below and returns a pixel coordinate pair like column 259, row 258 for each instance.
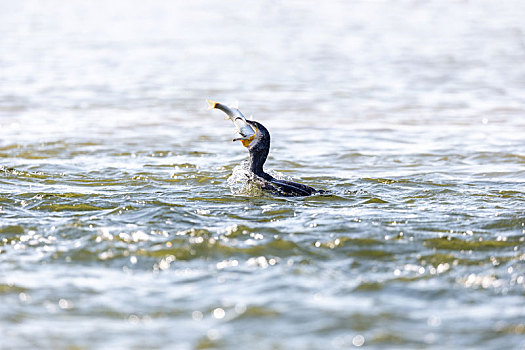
column 126, row 220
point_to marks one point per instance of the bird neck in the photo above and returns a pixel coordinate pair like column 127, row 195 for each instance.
column 257, row 159
column 259, row 149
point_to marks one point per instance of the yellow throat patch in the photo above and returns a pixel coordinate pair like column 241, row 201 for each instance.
column 247, row 142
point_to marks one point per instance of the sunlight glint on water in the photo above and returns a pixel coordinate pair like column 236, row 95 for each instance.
column 127, row 218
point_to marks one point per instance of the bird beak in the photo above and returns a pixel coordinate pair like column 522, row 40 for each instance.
column 241, row 125
column 246, row 141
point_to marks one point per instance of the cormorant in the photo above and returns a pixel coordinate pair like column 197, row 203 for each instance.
column 256, row 138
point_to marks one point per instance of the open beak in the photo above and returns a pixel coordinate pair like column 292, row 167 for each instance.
column 242, row 127
column 246, row 140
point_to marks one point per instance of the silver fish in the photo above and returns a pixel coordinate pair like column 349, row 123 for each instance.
column 241, row 125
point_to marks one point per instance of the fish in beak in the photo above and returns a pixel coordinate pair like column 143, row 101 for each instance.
column 242, row 126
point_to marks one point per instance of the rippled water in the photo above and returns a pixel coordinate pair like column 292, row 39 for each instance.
column 126, row 221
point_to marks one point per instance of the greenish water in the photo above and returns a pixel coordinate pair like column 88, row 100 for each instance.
column 126, row 220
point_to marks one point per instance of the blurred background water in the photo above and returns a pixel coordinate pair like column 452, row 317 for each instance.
column 125, row 221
